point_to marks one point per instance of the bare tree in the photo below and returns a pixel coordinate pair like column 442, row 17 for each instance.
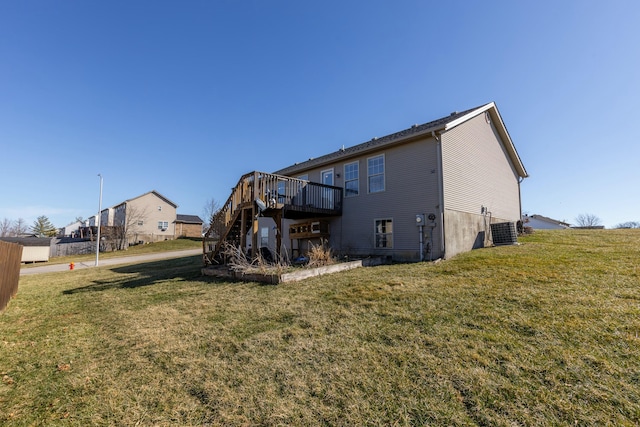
column 588, row 220
column 5, row 227
column 19, row 228
column 628, row 224
column 212, row 221
column 127, row 226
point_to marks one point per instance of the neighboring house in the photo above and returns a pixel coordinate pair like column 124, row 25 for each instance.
column 35, row 249
column 71, row 229
column 430, row 191
column 107, row 217
column 188, row 226
column 539, row 222
column 149, row 217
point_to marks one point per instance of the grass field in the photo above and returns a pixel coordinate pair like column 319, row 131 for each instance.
column 544, row 333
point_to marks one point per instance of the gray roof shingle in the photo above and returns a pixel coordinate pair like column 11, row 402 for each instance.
column 375, row 142
column 188, row 219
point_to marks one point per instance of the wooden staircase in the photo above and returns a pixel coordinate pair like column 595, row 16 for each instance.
column 264, row 194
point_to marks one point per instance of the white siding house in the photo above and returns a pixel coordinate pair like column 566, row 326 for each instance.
column 539, row 222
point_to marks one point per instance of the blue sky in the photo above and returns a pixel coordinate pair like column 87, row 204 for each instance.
column 185, row 97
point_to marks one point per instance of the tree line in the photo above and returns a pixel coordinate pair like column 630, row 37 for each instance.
column 591, row 220
column 41, row 227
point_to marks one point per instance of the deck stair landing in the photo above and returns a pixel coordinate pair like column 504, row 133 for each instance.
column 264, row 194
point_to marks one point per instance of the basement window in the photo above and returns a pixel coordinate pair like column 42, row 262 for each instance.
column 384, row 233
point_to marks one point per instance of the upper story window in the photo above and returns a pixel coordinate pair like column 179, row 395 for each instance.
column 351, row 179
column 375, row 173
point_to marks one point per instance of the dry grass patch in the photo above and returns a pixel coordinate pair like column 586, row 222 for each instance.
column 539, row 334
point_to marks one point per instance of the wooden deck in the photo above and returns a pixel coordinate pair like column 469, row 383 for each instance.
column 264, row 194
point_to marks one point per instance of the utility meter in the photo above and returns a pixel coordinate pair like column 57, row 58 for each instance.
column 420, row 220
column 432, row 219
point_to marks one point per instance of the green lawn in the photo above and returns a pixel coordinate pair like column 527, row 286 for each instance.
column 544, row 333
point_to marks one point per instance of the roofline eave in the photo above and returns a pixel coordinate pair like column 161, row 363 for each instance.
column 338, row 155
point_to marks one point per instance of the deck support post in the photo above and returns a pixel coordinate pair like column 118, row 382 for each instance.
column 243, row 229
column 254, row 232
column 278, row 220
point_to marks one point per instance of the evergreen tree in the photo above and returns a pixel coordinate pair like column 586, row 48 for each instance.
column 42, row 227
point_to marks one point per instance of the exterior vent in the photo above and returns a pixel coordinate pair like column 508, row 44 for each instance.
column 504, row 233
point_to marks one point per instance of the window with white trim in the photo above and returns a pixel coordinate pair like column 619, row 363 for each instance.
column 375, row 173
column 351, row 179
column 384, row 233
column 163, row 225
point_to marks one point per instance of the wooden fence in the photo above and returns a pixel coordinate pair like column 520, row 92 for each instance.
column 68, row 247
column 10, row 256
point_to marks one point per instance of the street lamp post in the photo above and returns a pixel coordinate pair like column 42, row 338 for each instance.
column 98, row 223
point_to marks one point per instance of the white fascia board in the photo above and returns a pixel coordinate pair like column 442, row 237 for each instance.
column 469, row 115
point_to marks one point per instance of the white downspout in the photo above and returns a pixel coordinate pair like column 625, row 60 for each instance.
column 520, row 179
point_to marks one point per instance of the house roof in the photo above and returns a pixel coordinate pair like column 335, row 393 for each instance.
column 188, row 219
column 433, row 127
column 550, row 220
column 28, row 241
column 148, row 192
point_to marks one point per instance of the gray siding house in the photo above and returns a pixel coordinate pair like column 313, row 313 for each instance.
column 430, row 191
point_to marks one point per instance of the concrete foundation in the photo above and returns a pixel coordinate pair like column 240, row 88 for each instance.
column 465, row 231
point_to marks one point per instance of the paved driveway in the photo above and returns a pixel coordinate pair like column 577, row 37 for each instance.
column 51, row 268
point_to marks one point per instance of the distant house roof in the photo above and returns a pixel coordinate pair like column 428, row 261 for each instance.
column 28, row 241
column 188, row 219
column 544, row 218
column 548, row 220
column 148, row 192
column 415, row 131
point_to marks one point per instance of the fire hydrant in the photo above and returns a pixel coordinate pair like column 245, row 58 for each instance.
column 71, row 266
